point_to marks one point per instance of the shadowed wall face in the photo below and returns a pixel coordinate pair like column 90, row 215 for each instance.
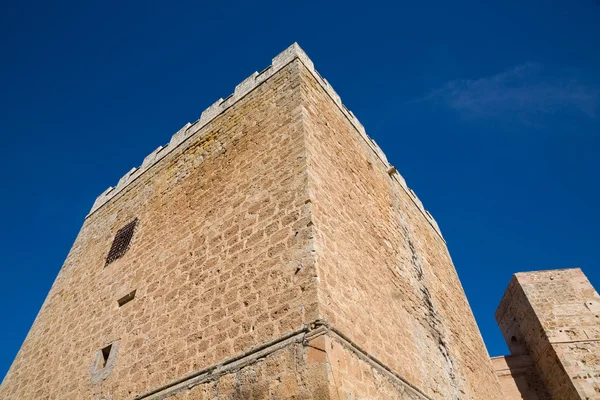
column 555, row 317
column 386, row 277
column 519, row 378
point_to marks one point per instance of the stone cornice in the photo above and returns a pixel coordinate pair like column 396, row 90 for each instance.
column 301, row 336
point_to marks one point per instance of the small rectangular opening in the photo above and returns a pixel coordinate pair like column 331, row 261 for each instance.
column 126, row 299
column 104, row 359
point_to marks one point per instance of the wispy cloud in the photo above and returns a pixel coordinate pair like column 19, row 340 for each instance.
column 525, row 92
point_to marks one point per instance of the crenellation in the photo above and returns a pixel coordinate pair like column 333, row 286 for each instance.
column 379, row 152
column 400, row 179
column 126, row 178
column 211, row 112
column 418, row 201
column 336, row 97
column 264, row 75
column 289, row 54
column 246, row 85
column 102, row 198
column 151, row 158
column 179, row 136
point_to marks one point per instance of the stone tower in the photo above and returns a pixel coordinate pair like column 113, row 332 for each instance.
column 551, row 323
column 269, row 251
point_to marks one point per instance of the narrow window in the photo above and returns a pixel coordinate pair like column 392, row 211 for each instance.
column 104, row 359
column 104, row 362
column 126, row 299
column 121, row 242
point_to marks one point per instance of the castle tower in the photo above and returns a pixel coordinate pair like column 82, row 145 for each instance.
column 551, row 323
column 269, row 251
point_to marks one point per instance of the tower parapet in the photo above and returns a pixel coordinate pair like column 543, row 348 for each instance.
column 180, row 137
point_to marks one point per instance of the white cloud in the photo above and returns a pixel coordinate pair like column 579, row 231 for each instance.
column 525, row 92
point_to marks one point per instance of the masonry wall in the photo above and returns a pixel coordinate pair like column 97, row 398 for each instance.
column 519, row 379
column 353, row 375
column 386, row 279
column 288, row 373
column 314, row 364
column 554, row 316
column 221, row 260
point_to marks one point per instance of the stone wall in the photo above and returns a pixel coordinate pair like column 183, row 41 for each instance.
column 283, row 369
column 355, row 374
column 519, row 378
column 283, row 375
column 221, row 260
column 385, row 276
column 554, row 316
column 315, row 362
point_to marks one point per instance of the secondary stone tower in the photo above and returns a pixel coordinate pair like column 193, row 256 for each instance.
column 269, row 251
column 551, row 323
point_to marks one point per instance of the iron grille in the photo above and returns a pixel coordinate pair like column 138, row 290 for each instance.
column 121, row 242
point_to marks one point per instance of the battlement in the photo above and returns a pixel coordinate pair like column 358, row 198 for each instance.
column 247, row 85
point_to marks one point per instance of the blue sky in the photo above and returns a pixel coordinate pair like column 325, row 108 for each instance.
column 490, row 111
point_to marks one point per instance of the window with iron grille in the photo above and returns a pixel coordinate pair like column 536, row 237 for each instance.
column 121, row 242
